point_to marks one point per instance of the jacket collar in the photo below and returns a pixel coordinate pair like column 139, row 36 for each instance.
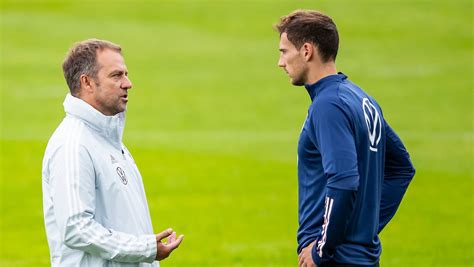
column 315, row 88
column 110, row 127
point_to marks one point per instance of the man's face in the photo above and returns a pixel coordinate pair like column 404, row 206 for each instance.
column 111, row 84
column 292, row 61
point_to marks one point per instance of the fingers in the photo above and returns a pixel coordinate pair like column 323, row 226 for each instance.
column 301, row 258
column 305, row 258
column 171, row 238
column 173, row 245
column 164, row 234
column 163, row 250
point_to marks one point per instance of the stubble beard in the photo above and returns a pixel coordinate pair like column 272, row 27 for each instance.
column 297, row 82
column 300, row 79
column 112, row 105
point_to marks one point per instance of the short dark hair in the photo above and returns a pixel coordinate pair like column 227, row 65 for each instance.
column 82, row 59
column 303, row 26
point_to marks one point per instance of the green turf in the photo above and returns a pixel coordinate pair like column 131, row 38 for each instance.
column 213, row 123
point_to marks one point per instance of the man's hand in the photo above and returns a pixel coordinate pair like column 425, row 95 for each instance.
column 163, row 250
column 305, row 259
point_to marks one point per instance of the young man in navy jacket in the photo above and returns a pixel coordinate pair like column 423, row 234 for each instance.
column 353, row 169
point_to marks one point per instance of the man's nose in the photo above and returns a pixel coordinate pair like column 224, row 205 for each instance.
column 126, row 84
column 281, row 63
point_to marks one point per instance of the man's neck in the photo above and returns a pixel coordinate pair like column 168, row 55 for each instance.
column 319, row 71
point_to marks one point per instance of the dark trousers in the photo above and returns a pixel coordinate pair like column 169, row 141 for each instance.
column 347, row 265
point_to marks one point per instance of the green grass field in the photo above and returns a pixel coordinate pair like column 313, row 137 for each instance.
column 213, row 123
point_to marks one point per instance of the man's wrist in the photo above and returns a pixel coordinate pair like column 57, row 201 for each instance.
column 315, row 255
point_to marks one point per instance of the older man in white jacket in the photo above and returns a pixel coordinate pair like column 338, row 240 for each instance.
column 95, row 207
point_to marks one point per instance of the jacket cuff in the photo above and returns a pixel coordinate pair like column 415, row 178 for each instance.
column 151, row 247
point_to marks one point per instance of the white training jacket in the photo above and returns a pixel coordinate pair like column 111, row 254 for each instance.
column 95, row 208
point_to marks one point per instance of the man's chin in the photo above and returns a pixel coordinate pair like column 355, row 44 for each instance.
column 121, row 109
column 297, row 82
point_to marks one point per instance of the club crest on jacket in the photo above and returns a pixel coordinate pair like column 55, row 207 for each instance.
column 122, row 176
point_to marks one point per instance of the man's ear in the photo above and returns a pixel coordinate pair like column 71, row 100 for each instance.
column 308, row 51
column 87, row 84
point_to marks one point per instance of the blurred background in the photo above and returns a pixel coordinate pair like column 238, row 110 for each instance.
column 213, row 123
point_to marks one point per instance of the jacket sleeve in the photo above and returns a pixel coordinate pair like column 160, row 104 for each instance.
column 339, row 158
column 72, row 180
column 398, row 173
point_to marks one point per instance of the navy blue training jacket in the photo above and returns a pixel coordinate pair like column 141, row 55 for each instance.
column 353, row 171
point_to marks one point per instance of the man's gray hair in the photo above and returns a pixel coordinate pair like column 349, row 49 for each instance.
column 82, row 59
